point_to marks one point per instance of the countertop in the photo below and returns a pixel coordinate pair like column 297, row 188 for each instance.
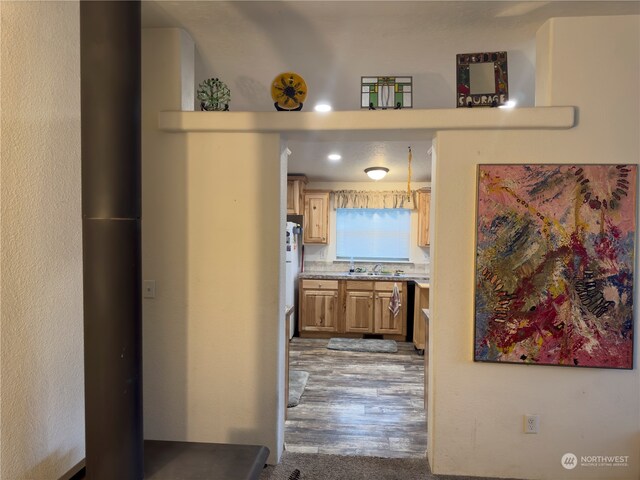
column 404, row 277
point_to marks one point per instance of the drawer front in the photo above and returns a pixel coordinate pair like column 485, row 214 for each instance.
column 320, row 284
column 388, row 286
column 359, row 285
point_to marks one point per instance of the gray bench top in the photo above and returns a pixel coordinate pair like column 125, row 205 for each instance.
column 165, row 460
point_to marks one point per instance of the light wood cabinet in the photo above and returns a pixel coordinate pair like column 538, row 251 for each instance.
column 316, row 216
column 424, row 206
column 319, row 306
column 295, row 194
column 421, row 301
column 364, row 308
column 384, row 321
column 358, row 316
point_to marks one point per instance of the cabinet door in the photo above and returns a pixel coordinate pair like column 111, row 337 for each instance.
column 359, row 312
column 319, row 311
column 293, row 204
column 295, row 189
column 384, row 320
column 424, row 205
column 419, row 332
column 316, row 217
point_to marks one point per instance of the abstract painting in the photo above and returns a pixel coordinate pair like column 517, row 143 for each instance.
column 554, row 265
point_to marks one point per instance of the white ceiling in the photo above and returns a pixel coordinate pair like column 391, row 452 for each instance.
column 333, row 43
column 311, row 157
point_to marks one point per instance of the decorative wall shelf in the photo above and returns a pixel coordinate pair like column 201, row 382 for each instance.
column 390, row 120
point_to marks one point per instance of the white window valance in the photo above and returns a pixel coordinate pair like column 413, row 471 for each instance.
column 373, row 199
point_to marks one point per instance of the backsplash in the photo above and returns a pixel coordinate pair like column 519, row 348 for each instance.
column 343, row 266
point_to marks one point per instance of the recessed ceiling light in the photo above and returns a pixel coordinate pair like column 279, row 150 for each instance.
column 334, row 157
column 322, row 107
column 508, row 104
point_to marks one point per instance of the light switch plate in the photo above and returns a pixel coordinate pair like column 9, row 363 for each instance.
column 149, row 289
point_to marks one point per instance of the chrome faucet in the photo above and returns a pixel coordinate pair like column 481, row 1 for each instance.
column 377, row 268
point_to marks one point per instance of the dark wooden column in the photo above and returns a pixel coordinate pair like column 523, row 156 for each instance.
column 110, row 90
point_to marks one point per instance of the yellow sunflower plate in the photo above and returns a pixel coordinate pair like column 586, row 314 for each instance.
column 288, row 91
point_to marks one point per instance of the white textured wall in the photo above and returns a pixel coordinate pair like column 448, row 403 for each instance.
column 592, row 63
column 233, row 325
column 42, row 405
column 213, row 239
column 163, row 235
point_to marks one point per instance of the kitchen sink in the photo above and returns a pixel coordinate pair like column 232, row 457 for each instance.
column 379, row 274
column 386, row 274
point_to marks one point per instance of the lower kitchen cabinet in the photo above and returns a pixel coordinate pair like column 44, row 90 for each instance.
column 420, row 334
column 358, row 314
column 319, row 306
column 364, row 309
column 385, row 322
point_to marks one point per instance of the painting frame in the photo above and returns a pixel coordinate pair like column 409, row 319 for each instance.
column 496, row 94
column 506, row 322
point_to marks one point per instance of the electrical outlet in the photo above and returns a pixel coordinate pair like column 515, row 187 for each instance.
column 531, row 424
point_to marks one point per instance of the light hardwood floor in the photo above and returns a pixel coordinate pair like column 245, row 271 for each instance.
column 368, row 404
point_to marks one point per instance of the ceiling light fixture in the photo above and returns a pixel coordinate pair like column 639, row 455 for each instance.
column 376, row 173
column 322, row 107
column 334, row 157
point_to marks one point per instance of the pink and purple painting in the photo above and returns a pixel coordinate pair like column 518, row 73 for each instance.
column 554, row 265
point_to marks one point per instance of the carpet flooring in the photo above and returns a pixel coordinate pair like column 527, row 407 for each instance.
column 337, row 467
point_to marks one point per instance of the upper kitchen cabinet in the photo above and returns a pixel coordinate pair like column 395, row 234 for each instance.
column 424, row 204
column 316, row 217
column 295, row 194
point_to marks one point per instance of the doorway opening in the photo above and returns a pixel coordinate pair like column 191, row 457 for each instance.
column 353, row 402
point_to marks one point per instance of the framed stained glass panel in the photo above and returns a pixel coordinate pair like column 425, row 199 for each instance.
column 386, row 92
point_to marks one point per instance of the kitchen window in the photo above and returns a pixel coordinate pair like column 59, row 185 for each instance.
column 373, row 234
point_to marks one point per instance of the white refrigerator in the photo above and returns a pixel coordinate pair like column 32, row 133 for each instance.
column 293, row 264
